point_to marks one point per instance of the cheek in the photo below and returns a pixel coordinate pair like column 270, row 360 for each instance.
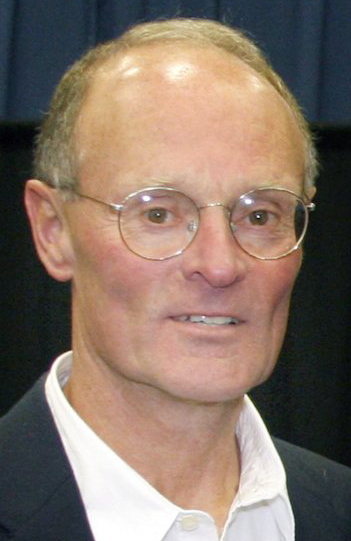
column 287, row 271
column 276, row 282
column 282, row 280
column 107, row 274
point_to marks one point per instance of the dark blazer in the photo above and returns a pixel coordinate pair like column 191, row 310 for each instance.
column 39, row 499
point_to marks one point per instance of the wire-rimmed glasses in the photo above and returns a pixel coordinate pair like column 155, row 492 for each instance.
column 158, row 223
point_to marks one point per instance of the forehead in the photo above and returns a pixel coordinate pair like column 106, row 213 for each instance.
column 147, row 77
column 161, row 101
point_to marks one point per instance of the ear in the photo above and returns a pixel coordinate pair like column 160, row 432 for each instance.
column 49, row 229
column 311, row 192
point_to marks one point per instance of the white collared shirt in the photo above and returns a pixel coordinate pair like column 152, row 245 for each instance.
column 120, row 504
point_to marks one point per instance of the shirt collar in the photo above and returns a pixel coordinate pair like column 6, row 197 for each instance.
column 262, row 473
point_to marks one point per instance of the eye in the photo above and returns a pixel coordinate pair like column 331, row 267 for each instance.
column 259, row 217
column 157, row 215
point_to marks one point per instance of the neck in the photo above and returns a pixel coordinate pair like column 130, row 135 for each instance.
column 186, row 450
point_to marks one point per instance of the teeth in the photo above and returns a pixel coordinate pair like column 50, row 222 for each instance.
column 207, row 320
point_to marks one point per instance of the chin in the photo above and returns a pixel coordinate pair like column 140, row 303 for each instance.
column 211, row 392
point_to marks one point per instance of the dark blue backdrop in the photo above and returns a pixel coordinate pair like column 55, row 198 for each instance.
column 308, row 42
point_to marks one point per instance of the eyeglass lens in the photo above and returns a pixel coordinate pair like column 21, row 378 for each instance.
column 160, row 223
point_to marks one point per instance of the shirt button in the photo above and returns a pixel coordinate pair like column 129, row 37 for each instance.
column 190, row 523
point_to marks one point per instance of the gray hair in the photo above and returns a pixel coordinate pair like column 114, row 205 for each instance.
column 56, row 155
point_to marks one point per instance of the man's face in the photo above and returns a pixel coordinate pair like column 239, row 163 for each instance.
column 203, row 123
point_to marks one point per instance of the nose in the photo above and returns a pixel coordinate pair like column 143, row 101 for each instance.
column 214, row 254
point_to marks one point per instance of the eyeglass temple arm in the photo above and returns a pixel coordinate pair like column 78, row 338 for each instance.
column 115, row 206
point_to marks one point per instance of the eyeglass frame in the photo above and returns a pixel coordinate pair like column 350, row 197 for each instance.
column 118, row 207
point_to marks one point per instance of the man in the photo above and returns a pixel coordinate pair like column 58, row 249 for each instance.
column 175, row 177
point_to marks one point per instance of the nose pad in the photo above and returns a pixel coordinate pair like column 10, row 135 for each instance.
column 192, row 226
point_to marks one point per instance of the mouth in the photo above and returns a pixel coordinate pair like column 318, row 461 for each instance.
column 208, row 320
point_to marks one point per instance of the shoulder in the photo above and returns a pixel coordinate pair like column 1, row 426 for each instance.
column 37, row 488
column 21, row 425
column 319, row 490
column 314, row 471
column 34, row 399
column 27, row 428
column 28, row 444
